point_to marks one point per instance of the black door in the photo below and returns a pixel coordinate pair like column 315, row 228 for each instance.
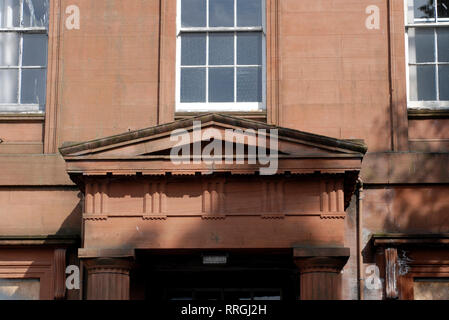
column 243, row 277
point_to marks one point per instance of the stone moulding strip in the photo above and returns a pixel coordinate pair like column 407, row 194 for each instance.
column 154, row 217
column 402, row 239
column 273, row 216
column 333, row 216
column 95, row 217
column 50, row 240
column 213, row 216
column 85, row 253
column 221, row 216
column 24, row 264
column 205, row 171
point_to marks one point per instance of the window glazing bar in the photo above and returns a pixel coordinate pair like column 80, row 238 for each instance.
column 22, row 67
column 427, row 25
column 222, row 29
column 25, row 30
column 428, row 63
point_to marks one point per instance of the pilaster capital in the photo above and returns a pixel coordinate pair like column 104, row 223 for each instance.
column 108, row 265
column 319, row 259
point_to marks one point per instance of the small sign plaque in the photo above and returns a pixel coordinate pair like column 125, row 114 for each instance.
column 215, row 259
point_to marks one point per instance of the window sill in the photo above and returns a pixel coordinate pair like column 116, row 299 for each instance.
column 20, row 109
column 251, row 115
column 22, row 117
column 428, row 105
column 221, row 107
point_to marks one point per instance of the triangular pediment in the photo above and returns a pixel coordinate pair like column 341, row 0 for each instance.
column 223, row 129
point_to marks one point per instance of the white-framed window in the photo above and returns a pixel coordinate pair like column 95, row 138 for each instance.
column 221, row 55
column 19, row 289
column 427, row 34
column 23, row 55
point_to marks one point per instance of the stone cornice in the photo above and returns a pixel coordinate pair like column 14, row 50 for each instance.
column 320, row 259
column 428, row 114
column 320, row 264
column 400, row 239
column 352, row 146
column 44, row 240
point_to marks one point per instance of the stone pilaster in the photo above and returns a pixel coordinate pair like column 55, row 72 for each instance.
column 108, row 278
column 320, row 270
column 59, row 262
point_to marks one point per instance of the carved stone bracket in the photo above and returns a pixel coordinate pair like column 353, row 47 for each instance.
column 96, row 200
column 213, row 199
column 155, row 199
column 391, row 273
column 272, row 205
column 332, row 199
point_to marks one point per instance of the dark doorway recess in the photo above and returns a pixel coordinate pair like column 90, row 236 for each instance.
column 245, row 276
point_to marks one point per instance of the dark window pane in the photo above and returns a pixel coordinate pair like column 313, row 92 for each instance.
column 193, row 13
column 35, row 13
column 9, row 49
column 422, row 45
column 221, row 48
column 221, row 13
column 424, row 9
column 33, row 86
column 208, row 295
column 9, row 13
column 9, row 85
column 179, row 295
column 424, row 84
column 443, row 8
column 269, row 295
column 193, row 84
column 249, row 84
column 444, row 82
column 221, row 85
column 237, row 295
column 193, row 49
column 34, row 50
column 249, row 48
column 443, row 44
column 249, row 13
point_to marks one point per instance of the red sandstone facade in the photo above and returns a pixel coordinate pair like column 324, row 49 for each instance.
column 362, row 181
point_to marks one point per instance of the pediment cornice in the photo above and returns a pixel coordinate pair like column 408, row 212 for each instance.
column 101, row 148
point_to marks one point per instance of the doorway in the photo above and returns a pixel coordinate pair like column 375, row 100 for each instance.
column 239, row 277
